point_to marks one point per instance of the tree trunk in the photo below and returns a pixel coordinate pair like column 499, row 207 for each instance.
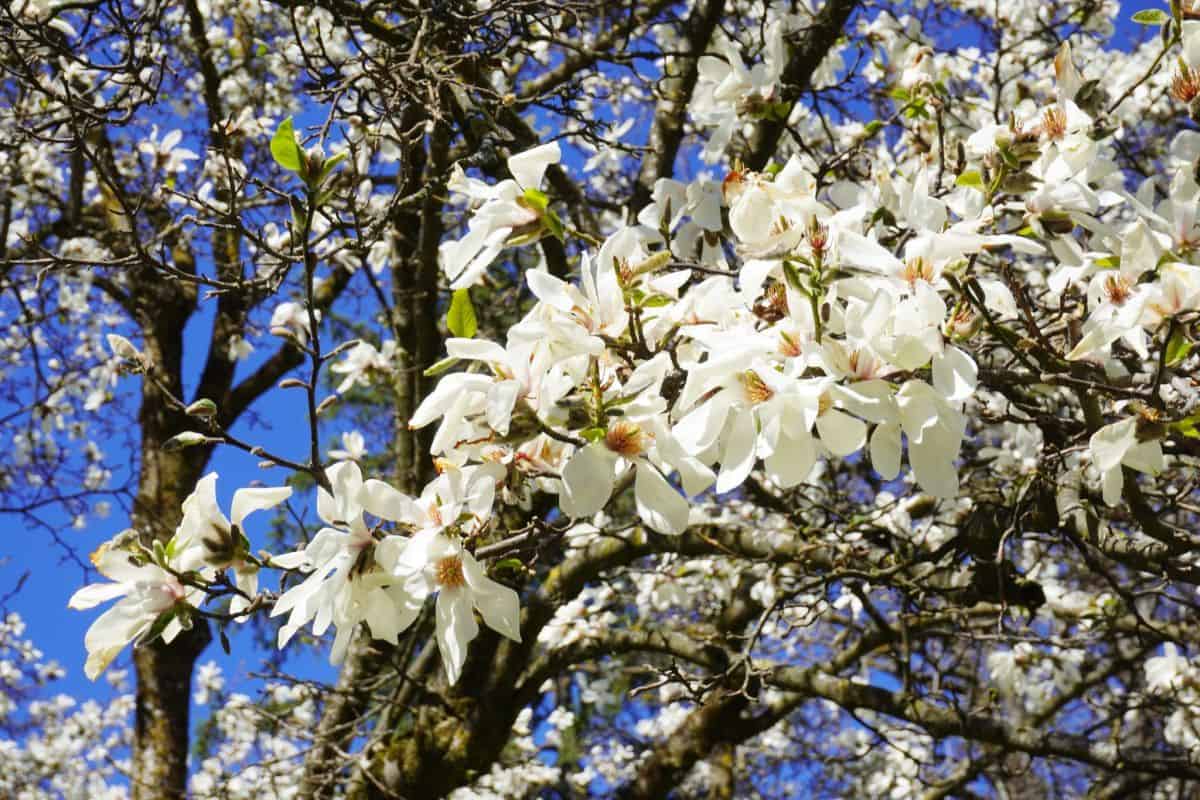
column 160, row 750
column 164, row 671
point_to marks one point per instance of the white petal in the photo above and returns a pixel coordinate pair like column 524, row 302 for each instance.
column 551, row 290
column 341, row 644
column 388, row 503
column 456, row 628
column 528, row 168
column 859, row 251
column 476, row 350
column 1110, row 444
column 1146, row 457
column 247, row 501
column 701, row 427
column 659, row 504
column 954, row 374
column 792, row 459
column 340, row 508
column 587, row 481
column 95, row 594
column 737, row 455
column 498, row 604
column 501, row 400
column 1114, row 483
column 885, row 450
column 934, row 468
column 841, row 433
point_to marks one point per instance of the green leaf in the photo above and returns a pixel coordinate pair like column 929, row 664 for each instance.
column 1188, row 426
column 460, row 319
column 441, row 366
column 1178, row 348
column 593, row 434
column 156, row 629
column 657, row 301
column 873, row 127
column 793, row 276
column 284, row 147
column 536, row 199
column 779, row 111
column 1151, row 16
column 331, row 164
column 972, row 179
column 554, row 225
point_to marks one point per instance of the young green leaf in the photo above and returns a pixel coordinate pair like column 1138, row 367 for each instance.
column 437, row 368
column 460, row 319
column 535, row 199
column 972, row 179
column 331, row 163
column 1151, row 16
column 284, row 147
column 1178, row 348
column 554, row 225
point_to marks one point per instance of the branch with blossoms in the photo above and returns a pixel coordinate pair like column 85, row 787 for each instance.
column 996, row 327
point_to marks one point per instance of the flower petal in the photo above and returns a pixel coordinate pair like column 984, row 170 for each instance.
column 587, row 481
column 528, row 168
column 659, row 504
column 247, row 501
column 499, row 605
column 456, row 628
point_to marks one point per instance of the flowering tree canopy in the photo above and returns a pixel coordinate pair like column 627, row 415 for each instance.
column 714, row 398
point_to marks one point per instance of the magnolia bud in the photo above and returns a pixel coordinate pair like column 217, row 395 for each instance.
column 122, row 347
column 326, row 403
column 963, row 323
column 652, row 264
column 181, row 440
column 204, row 409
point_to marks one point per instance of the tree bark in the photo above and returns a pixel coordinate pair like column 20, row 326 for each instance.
column 807, row 55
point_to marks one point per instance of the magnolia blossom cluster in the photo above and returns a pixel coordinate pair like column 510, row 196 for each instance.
column 354, row 573
column 739, row 329
column 682, row 374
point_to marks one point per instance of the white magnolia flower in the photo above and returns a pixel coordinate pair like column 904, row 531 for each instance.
column 1169, row 671
column 166, row 152
column 727, row 89
column 349, row 569
column 221, row 540
column 151, row 597
column 507, row 215
column 589, row 477
column 291, row 319
column 1118, row 445
column 435, row 561
column 362, row 363
column 354, row 447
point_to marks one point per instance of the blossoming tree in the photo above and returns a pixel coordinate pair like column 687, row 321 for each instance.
column 737, row 398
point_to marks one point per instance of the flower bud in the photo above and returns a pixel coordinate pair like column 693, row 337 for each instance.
column 203, row 408
column 181, row 440
column 963, row 323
